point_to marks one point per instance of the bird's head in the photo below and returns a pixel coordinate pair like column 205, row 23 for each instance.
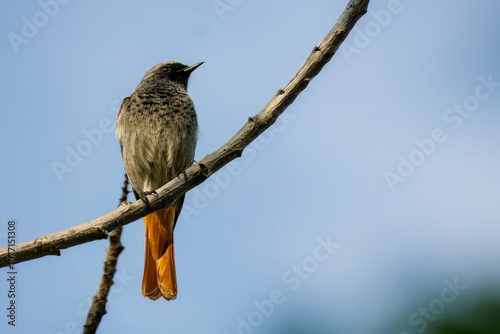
column 172, row 71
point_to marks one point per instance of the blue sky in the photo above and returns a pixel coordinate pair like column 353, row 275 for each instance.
column 412, row 97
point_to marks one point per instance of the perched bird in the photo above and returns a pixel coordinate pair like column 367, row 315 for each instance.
column 157, row 130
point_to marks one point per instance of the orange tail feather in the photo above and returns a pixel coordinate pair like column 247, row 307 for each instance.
column 159, row 278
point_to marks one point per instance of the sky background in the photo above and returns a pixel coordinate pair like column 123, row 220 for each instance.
column 318, row 175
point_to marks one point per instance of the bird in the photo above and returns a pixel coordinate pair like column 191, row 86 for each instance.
column 157, row 129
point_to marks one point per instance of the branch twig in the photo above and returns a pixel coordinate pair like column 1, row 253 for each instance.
column 99, row 228
column 98, row 307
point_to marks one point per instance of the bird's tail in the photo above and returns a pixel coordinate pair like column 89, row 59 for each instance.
column 159, row 265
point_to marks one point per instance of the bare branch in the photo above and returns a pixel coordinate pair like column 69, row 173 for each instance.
column 98, row 307
column 99, row 228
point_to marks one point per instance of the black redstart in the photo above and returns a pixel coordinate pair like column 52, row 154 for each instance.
column 157, row 130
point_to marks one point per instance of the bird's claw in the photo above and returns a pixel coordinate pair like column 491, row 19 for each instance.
column 144, row 197
column 184, row 170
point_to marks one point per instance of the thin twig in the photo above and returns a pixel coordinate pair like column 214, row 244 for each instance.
column 98, row 307
column 51, row 244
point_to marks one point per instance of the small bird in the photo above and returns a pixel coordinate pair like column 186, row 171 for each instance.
column 157, row 130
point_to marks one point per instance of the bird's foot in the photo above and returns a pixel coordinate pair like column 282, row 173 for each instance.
column 185, row 175
column 184, row 171
column 144, row 197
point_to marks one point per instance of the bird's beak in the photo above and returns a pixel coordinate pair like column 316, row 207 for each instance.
column 189, row 69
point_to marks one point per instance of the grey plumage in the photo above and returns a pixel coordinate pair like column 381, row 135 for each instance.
column 157, row 128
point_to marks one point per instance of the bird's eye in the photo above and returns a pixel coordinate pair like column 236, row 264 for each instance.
column 166, row 69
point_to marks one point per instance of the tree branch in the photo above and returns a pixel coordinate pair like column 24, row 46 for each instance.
column 99, row 228
column 98, row 307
